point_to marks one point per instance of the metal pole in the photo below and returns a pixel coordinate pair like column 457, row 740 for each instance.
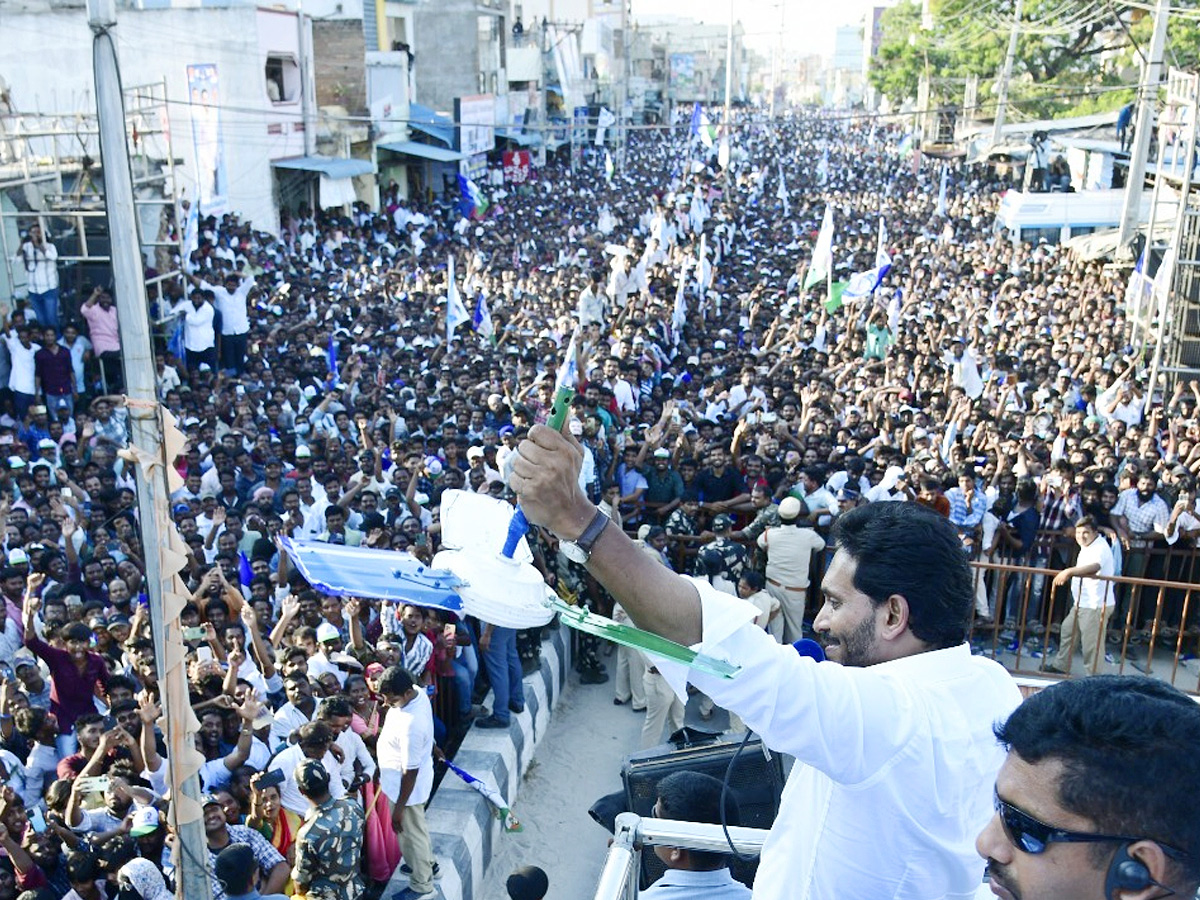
column 1006, row 74
column 1147, row 95
column 130, row 295
column 728, row 91
column 1139, row 300
column 306, row 78
column 1168, row 281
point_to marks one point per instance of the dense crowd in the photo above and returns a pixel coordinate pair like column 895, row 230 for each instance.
column 321, row 400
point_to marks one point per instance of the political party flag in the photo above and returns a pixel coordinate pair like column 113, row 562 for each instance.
column 191, row 234
column 707, row 131
column 245, row 573
column 482, row 321
column 782, row 193
column 508, row 821
column 332, row 357
column 695, row 126
column 703, row 267
column 472, row 203
column 456, row 312
column 834, row 301
column 941, row 201
column 679, row 314
column 863, row 284
column 568, row 372
column 609, row 168
column 823, row 167
column 893, row 310
column 822, row 258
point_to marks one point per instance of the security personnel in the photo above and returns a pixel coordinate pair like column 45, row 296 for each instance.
column 329, row 843
column 723, row 559
column 789, row 553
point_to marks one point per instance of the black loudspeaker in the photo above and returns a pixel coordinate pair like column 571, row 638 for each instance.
column 756, row 783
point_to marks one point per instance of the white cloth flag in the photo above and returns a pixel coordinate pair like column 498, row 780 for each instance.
column 456, row 312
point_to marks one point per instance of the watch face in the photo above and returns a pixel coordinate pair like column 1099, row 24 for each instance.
column 573, row 551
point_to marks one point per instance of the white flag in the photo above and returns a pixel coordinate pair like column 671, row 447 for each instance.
column 822, row 258
column 941, row 201
column 782, row 193
column 456, row 313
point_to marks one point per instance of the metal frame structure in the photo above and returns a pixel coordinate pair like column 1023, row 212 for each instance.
column 41, row 154
column 1174, row 301
column 619, row 878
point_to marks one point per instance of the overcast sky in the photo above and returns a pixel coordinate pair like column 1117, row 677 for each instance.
column 808, row 24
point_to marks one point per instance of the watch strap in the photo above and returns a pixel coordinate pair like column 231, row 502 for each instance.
column 591, row 534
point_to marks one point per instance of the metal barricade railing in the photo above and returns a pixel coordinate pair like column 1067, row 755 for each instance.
column 619, row 878
column 1150, row 630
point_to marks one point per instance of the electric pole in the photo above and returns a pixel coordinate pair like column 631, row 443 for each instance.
column 1147, row 94
column 1006, row 74
column 191, row 850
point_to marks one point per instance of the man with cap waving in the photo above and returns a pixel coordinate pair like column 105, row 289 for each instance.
column 329, row 844
column 789, row 552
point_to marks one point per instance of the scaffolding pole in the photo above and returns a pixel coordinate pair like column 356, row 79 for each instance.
column 191, row 850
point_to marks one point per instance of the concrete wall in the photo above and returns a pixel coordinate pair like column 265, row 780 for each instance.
column 339, row 64
column 448, row 53
column 158, row 44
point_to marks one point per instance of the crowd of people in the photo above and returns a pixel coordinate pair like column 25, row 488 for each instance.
column 727, row 411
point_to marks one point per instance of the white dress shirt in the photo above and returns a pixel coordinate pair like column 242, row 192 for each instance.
column 406, row 743
column 895, row 763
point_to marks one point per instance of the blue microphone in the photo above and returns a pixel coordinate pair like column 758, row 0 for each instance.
column 810, row 648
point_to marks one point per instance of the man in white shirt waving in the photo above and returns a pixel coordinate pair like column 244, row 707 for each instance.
column 894, row 747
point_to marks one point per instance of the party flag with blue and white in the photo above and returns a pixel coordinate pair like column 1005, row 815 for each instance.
column 331, row 356
column 695, row 126
column 456, row 312
column 703, row 267
column 863, row 284
column 508, row 821
column 568, row 372
column 482, row 321
column 941, row 201
column 609, row 168
column 245, row 573
column 472, row 203
column 893, row 310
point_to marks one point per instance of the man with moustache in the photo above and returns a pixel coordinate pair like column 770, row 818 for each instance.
column 894, row 747
column 1093, row 800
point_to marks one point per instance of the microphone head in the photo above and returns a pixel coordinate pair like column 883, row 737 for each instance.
column 810, row 648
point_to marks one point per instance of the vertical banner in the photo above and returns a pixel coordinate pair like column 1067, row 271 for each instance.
column 205, row 110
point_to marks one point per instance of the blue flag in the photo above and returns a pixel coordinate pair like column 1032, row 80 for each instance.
column 331, row 354
column 245, row 573
column 695, row 126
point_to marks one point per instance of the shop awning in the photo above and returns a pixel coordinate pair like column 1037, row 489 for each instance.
column 518, row 137
column 424, row 151
column 329, row 166
column 426, row 121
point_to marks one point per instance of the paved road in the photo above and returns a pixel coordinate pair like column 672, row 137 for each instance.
column 578, row 762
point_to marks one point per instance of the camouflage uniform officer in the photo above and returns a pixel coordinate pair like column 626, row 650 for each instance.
column 329, row 843
column 723, row 559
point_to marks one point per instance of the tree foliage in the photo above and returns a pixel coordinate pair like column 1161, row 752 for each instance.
column 1073, row 56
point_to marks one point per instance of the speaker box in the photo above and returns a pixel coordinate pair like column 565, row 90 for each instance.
column 756, row 783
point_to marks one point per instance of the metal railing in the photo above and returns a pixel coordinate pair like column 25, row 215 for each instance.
column 619, row 878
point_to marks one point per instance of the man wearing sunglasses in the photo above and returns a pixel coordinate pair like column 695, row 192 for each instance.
column 1095, row 798
column 894, row 747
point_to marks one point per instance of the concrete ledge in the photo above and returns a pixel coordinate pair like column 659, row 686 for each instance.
column 460, row 820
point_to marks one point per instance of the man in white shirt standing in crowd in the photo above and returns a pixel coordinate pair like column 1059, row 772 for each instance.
column 39, row 258
column 405, row 752
column 1087, row 620
column 894, row 747
column 231, row 299
column 22, row 377
column 199, row 337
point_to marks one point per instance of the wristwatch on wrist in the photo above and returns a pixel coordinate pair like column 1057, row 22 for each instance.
column 580, row 549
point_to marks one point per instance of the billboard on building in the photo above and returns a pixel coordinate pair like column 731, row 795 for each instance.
column 683, row 77
column 475, row 119
column 518, row 166
column 204, row 96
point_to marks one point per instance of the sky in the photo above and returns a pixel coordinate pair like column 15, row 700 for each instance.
column 808, row 24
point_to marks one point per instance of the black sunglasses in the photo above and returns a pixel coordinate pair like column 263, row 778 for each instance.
column 1032, row 836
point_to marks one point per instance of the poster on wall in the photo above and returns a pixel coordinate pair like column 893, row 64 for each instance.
column 518, row 166
column 683, row 76
column 205, row 113
column 476, row 118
